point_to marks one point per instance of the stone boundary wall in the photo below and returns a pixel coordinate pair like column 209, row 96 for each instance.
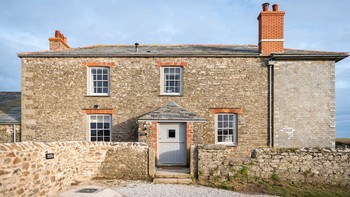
column 306, row 165
column 25, row 171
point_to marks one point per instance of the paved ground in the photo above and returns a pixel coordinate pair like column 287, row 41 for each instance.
column 145, row 189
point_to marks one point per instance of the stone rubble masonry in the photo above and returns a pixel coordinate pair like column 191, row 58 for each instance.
column 24, row 170
column 304, row 165
column 54, row 90
column 304, row 104
column 6, row 133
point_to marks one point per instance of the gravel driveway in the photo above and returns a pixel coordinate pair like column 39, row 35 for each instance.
column 146, row 189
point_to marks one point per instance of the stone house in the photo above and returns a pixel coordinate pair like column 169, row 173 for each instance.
column 10, row 117
column 172, row 96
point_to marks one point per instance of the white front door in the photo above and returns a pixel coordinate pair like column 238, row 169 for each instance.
column 171, row 144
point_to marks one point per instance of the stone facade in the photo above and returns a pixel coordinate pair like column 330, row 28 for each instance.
column 306, row 165
column 7, row 132
column 25, row 171
column 304, row 104
column 54, row 96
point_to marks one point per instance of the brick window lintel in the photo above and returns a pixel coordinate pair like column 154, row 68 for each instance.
column 163, row 64
column 99, row 111
column 225, row 110
column 98, row 64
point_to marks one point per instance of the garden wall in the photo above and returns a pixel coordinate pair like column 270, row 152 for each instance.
column 307, row 165
column 25, row 170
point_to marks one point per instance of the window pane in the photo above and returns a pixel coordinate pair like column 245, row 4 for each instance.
column 225, row 124
column 106, row 139
column 93, row 71
column 172, row 133
column 105, row 71
column 230, row 131
column 231, row 117
column 100, row 139
column 219, row 124
column 219, row 131
column 93, row 132
column 178, row 70
column 105, row 77
column 99, row 90
column 106, row 119
column 93, row 125
column 166, row 70
column 106, row 133
column 230, row 124
column 92, row 118
column 220, row 117
column 105, row 84
column 225, row 117
column 219, row 138
column 99, row 71
column 106, row 126
column 99, row 125
column 93, row 139
column 100, row 133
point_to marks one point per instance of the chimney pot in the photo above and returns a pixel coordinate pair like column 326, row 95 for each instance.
column 275, row 7
column 265, row 6
column 57, row 34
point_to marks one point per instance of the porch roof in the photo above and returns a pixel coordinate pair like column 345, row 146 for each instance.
column 170, row 113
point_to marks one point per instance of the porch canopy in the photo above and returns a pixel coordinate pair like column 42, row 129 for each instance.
column 171, row 112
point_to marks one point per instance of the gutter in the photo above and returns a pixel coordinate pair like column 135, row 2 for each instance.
column 334, row 57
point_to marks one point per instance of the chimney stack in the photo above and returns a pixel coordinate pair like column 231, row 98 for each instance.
column 59, row 42
column 271, row 30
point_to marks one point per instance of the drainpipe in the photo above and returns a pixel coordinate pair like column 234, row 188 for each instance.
column 270, row 64
column 14, row 133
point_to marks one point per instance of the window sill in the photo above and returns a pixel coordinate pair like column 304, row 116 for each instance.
column 97, row 95
column 173, row 95
column 227, row 144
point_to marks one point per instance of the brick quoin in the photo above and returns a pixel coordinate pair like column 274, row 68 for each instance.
column 155, row 138
column 189, row 135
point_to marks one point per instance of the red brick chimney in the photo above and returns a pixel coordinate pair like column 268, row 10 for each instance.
column 59, row 42
column 271, row 30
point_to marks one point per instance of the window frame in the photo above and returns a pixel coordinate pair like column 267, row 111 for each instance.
column 91, row 81
column 235, row 131
column 110, row 127
column 163, row 81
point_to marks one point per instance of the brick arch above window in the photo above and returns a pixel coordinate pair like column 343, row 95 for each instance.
column 170, row 64
column 98, row 64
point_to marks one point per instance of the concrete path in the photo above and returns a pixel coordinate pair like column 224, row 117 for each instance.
column 120, row 188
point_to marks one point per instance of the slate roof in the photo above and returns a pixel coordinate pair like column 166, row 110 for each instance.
column 184, row 50
column 10, row 107
column 172, row 112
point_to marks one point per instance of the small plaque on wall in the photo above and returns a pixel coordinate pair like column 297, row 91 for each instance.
column 49, row 155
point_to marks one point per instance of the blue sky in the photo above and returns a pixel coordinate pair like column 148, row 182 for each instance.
column 312, row 24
